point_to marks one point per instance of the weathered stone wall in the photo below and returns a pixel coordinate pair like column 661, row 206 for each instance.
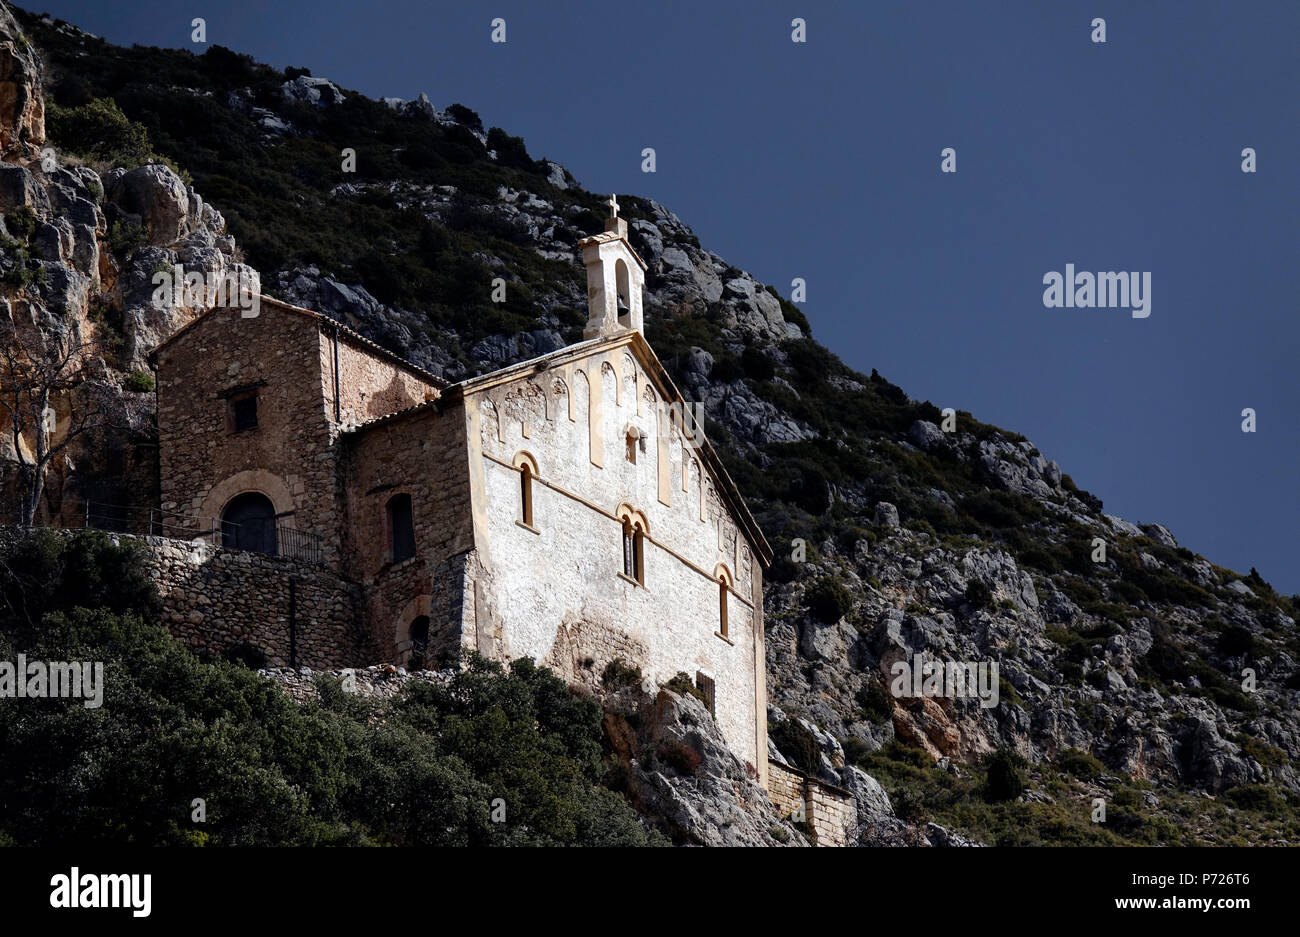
column 786, row 788
column 832, row 814
column 370, row 386
column 829, row 812
column 215, row 598
column 287, row 456
column 421, row 454
column 554, row 591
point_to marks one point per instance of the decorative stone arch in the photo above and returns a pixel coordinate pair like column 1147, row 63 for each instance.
column 636, row 528
column 526, row 463
column 627, row 380
column 560, row 390
column 625, row 512
column 726, row 583
column 418, row 607
column 607, row 369
column 525, row 404
column 259, row 481
column 580, row 405
column 490, row 418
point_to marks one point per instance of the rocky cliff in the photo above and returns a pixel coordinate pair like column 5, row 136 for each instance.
column 1130, row 670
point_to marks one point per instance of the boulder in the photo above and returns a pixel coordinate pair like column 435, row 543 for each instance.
column 22, row 99
column 158, row 197
column 1160, row 534
column 925, row 435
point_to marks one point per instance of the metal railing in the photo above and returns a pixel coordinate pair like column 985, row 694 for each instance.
column 260, row 537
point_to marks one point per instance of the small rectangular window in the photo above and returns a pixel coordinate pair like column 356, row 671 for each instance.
column 706, row 687
column 401, row 522
column 243, row 413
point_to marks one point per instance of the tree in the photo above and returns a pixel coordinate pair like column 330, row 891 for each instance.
column 38, row 367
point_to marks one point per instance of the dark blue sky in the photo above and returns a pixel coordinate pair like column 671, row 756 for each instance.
column 821, row 161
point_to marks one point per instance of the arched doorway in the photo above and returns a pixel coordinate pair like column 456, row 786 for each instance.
column 419, row 643
column 248, row 523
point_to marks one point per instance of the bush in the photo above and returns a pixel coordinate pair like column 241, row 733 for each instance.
column 1005, row 778
column 618, row 674
column 877, row 705
column 98, row 130
column 1258, row 797
column 1080, row 764
column 756, row 364
column 463, row 115
column 21, row 222
column 124, row 239
column 683, row 685
column 139, row 382
column 422, row 768
column 793, row 740
column 978, row 594
column 828, row 600
column 1235, row 641
column 680, row 757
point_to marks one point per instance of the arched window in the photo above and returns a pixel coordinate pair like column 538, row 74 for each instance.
column 634, row 534
column 722, row 607
column 526, row 494
column 724, row 586
column 248, row 523
column 528, row 473
column 401, row 525
column 419, row 642
column 623, row 287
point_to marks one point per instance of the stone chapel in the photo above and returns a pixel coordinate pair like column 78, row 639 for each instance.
column 566, row 508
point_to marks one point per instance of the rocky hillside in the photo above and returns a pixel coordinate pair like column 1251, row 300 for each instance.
column 1131, row 669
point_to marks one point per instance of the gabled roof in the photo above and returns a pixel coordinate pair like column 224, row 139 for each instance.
column 636, row 342
column 322, row 321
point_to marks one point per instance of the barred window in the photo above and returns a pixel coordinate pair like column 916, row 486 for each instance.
column 707, row 688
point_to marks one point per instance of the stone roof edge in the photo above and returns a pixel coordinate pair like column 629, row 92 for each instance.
column 356, row 338
column 650, row 361
column 604, row 237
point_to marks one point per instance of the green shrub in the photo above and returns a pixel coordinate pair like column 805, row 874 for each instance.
column 828, row 600
column 98, row 130
column 1080, row 764
column 1005, row 778
column 1234, row 641
column 139, row 382
column 683, row 685
column 978, row 593
column 124, row 239
column 21, row 222
column 1258, row 797
column 619, row 673
column 877, row 705
column 798, row 744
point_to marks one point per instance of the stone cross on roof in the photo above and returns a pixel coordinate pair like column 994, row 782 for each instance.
column 613, row 206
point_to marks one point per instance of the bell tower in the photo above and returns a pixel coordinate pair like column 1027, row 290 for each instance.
column 615, row 279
